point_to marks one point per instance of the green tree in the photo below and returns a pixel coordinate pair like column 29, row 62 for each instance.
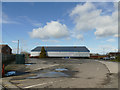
column 43, row 53
column 118, row 57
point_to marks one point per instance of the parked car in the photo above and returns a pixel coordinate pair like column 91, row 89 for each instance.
column 106, row 58
column 113, row 57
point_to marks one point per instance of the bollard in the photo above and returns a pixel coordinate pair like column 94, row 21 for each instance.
column 3, row 70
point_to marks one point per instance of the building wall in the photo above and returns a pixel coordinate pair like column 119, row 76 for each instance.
column 63, row 54
column 114, row 54
column 34, row 54
column 98, row 56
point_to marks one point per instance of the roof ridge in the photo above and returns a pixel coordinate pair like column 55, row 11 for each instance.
column 63, row 48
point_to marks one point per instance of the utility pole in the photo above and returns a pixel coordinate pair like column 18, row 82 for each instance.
column 18, row 48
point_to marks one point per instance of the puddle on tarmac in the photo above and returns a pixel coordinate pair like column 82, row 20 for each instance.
column 49, row 75
column 10, row 73
column 61, row 69
column 28, row 64
column 14, row 73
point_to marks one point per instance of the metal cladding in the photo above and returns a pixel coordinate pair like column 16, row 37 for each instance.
column 62, row 49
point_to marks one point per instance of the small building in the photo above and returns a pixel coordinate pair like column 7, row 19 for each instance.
column 111, row 54
column 62, row 51
column 97, row 56
column 5, row 49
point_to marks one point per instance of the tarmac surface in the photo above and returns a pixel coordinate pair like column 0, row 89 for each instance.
column 82, row 73
column 112, row 66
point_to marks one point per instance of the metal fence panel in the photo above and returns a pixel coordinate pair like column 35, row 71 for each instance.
column 20, row 59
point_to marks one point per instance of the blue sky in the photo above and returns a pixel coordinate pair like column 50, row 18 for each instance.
column 93, row 25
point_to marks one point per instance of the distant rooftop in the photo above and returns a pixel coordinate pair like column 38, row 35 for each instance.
column 62, row 48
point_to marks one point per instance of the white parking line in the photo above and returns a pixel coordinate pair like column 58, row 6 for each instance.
column 41, row 84
column 35, row 85
column 47, row 66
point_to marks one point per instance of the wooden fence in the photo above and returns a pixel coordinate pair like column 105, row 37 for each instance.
column 6, row 59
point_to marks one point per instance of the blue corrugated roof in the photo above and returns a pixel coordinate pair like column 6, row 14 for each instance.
column 63, row 48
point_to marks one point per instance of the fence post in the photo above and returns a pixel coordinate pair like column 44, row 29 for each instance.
column 3, row 70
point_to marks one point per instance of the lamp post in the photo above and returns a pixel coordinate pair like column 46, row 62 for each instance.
column 18, row 48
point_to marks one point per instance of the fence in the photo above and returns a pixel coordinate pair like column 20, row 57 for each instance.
column 6, row 59
column 20, row 59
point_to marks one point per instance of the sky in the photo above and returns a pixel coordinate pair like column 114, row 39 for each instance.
column 94, row 25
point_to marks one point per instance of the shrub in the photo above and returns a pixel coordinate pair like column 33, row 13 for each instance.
column 117, row 58
column 43, row 53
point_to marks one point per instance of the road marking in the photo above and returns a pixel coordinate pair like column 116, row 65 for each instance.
column 41, row 84
column 73, row 78
column 35, row 85
column 46, row 67
column 43, row 67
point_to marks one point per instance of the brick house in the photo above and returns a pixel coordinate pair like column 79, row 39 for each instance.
column 97, row 56
column 114, row 54
column 5, row 49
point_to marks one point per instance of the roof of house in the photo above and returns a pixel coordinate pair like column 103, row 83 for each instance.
column 4, row 45
column 63, row 48
column 114, row 53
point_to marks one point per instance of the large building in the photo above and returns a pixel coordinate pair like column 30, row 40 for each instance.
column 62, row 51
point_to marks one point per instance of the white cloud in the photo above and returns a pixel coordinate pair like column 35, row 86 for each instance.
column 79, row 36
column 37, row 24
column 117, row 35
column 103, row 49
column 15, row 41
column 88, row 17
column 111, row 40
column 53, row 29
column 53, row 41
column 76, row 35
column 7, row 20
column 107, row 48
column 30, row 21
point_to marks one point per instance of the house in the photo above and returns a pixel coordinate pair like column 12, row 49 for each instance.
column 114, row 54
column 62, row 51
column 5, row 49
column 97, row 56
